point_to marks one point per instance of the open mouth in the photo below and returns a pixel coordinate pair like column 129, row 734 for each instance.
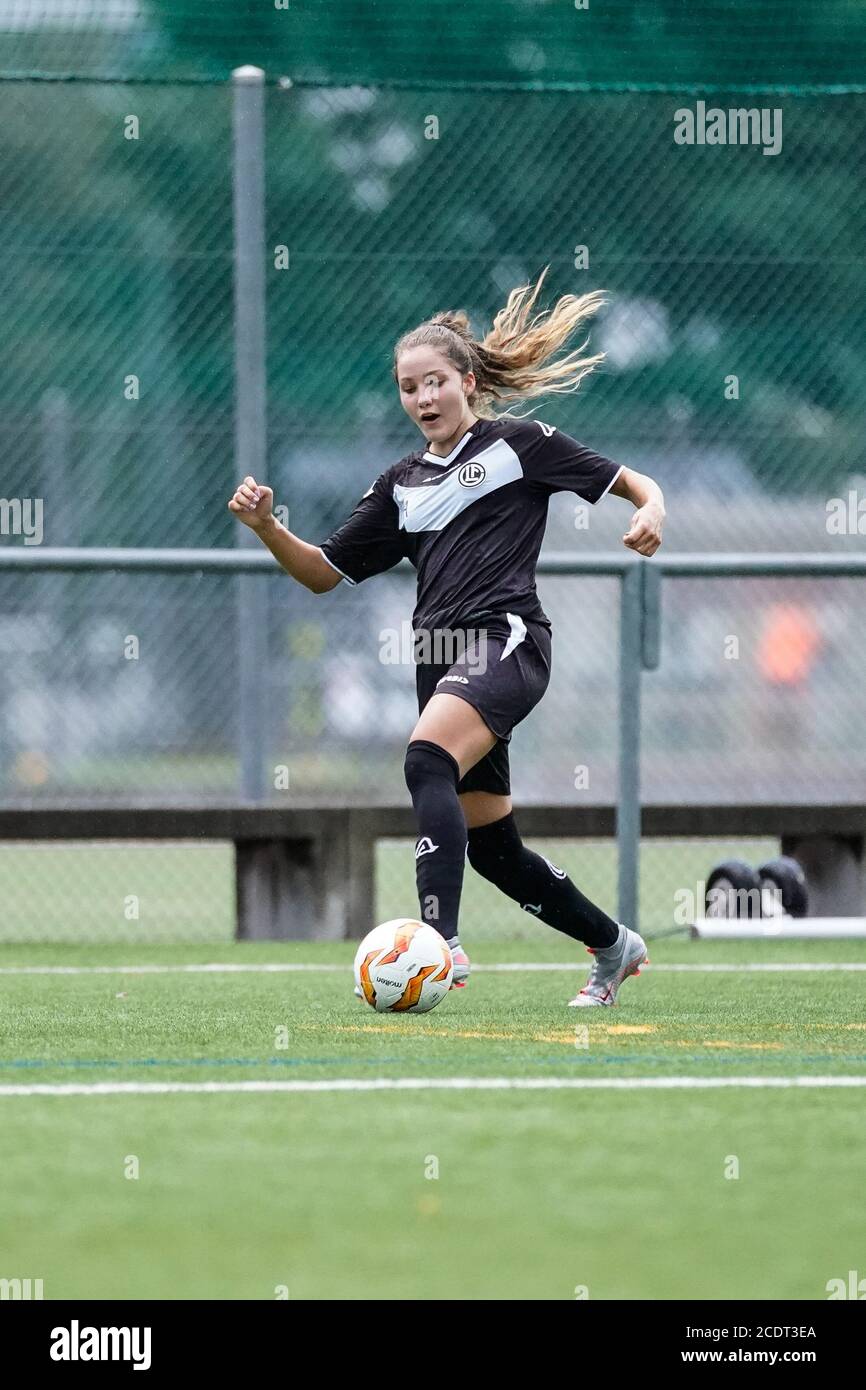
column 429, row 419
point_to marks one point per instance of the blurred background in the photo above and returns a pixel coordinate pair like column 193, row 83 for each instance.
column 418, row 161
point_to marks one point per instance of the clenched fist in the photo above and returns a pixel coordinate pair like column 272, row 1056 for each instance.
column 252, row 503
column 645, row 533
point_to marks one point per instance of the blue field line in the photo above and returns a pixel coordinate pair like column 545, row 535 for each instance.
column 629, row 1058
column 46, row 1063
column 735, row 1059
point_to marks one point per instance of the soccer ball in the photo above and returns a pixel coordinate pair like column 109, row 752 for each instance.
column 403, row 967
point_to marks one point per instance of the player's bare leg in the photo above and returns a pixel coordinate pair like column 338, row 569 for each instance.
column 483, row 808
column 457, row 727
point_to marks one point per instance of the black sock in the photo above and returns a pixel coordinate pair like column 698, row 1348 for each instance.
column 497, row 852
column 432, row 776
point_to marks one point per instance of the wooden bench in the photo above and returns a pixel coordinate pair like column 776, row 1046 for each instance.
column 309, row 871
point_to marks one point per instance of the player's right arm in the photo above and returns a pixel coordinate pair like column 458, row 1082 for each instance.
column 252, row 504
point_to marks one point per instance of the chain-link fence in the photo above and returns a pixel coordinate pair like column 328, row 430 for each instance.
column 734, row 375
column 117, row 686
column 139, row 704
column 733, row 334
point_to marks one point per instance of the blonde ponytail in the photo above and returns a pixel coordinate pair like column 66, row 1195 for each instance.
column 511, row 361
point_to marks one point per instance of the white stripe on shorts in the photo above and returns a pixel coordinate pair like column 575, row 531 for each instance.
column 518, row 632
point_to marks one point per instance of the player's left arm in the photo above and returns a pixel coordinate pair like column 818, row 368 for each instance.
column 645, row 533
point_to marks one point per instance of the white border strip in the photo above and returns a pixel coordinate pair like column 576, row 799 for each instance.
column 609, row 486
column 768, row 967
column 456, row 1083
column 341, row 573
column 446, row 460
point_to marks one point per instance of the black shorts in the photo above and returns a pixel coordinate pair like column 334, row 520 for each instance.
column 503, row 669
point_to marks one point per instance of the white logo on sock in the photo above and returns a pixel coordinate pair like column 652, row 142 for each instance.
column 424, row 846
column 560, row 873
column 531, row 907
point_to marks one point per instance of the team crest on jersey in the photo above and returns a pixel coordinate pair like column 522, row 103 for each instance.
column 472, row 474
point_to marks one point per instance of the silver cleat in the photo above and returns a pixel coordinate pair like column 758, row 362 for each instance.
column 611, row 966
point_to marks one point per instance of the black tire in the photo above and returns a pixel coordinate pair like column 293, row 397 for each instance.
column 733, row 890
column 785, row 876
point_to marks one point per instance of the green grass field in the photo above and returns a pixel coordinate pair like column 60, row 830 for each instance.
column 539, row 1193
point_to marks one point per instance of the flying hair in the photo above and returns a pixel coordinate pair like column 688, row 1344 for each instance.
column 510, row 362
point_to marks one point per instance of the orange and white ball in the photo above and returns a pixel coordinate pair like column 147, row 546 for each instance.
column 403, row 967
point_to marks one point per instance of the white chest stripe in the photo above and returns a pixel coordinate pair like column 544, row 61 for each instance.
column 433, row 505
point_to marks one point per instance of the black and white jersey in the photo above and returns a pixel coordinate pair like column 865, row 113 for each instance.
column 471, row 523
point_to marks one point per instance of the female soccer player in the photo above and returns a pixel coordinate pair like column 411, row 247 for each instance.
column 469, row 511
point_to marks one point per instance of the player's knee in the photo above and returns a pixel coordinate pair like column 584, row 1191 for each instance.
column 493, row 847
column 425, row 760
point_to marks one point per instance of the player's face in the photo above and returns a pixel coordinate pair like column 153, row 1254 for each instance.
column 433, row 393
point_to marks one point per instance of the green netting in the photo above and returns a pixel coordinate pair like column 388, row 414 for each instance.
column 719, row 261
column 547, row 41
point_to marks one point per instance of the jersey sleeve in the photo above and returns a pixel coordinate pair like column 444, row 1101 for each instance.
column 557, row 463
column 370, row 541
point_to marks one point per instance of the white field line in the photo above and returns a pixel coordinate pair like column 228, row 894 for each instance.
column 486, row 1083
column 770, row 967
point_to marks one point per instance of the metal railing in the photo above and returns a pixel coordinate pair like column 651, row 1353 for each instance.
column 639, row 641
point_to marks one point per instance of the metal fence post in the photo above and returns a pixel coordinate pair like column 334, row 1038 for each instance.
column 651, row 616
column 248, row 180
column 628, row 799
